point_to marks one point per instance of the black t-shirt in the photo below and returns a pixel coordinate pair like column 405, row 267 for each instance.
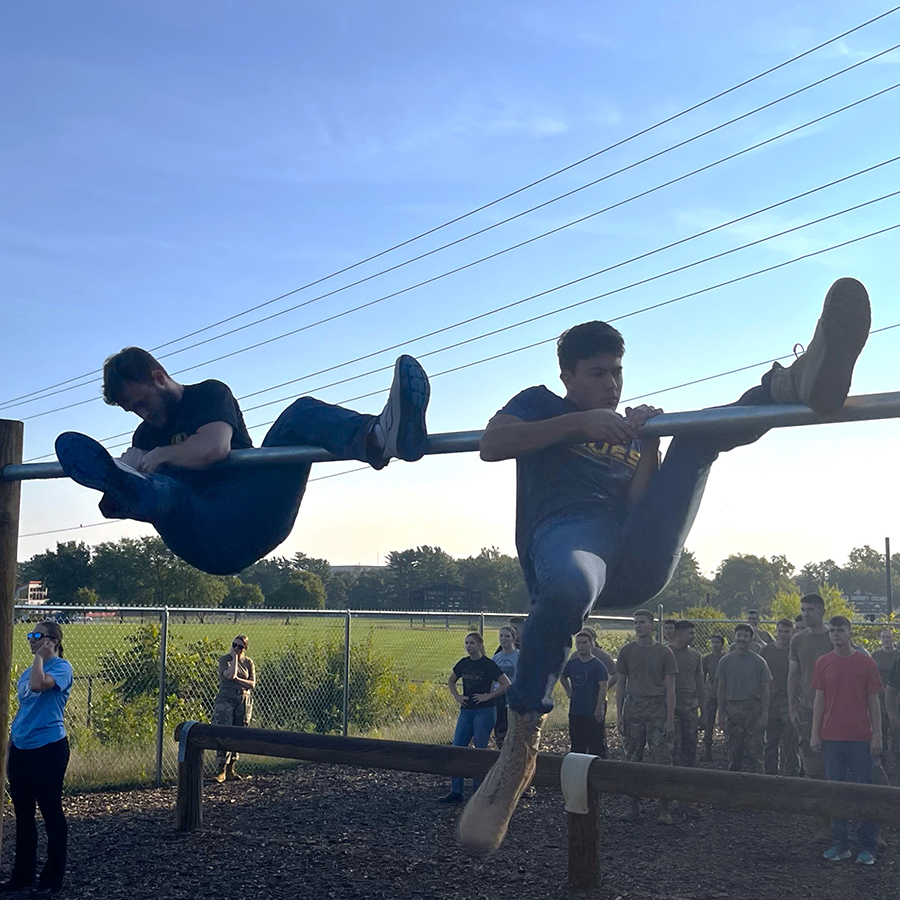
column 478, row 677
column 566, row 479
column 201, row 404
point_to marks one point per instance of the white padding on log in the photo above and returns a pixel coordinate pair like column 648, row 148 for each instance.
column 573, row 777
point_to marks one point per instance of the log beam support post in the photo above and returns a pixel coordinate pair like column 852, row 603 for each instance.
column 583, row 820
column 189, row 802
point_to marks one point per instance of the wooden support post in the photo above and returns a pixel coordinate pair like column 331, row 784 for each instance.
column 584, row 845
column 10, row 495
column 189, row 803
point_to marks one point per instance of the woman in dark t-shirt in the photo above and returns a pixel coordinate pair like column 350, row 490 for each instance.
column 478, row 703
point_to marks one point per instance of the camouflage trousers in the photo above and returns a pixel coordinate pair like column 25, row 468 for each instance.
column 781, row 740
column 709, row 725
column 231, row 711
column 743, row 735
column 645, row 729
column 813, row 763
column 687, row 730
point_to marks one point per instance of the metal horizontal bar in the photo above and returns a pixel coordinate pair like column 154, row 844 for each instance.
column 702, row 421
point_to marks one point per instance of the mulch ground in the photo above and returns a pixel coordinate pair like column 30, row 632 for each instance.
column 325, row 832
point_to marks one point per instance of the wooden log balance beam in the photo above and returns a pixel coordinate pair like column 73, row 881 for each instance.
column 723, row 790
column 864, row 407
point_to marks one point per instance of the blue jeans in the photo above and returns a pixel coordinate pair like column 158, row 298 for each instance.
column 573, row 561
column 222, row 522
column 473, row 725
column 850, row 761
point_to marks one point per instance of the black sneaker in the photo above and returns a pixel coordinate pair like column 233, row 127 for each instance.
column 402, row 420
column 452, row 797
column 89, row 463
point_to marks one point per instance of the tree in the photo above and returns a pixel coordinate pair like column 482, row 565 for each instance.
column 687, row 586
column 498, row 577
column 786, row 603
column 370, row 590
column 63, row 571
column 269, row 574
column 320, row 567
column 302, row 591
column 242, row 596
column 120, row 575
column 418, row 568
column 85, row 596
column 744, row 581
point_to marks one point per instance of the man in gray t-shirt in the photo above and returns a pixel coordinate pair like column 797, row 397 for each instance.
column 743, row 699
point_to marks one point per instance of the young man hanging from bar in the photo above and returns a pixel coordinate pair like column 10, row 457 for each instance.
column 599, row 520
column 222, row 520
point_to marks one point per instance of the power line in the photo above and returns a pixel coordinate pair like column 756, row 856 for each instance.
column 664, row 390
column 498, row 200
column 520, row 244
column 621, row 289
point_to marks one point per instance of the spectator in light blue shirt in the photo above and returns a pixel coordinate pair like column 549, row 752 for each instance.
column 38, row 756
column 507, row 657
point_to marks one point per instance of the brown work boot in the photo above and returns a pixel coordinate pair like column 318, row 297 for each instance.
column 485, row 819
column 820, row 378
column 219, row 777
column 230, row 774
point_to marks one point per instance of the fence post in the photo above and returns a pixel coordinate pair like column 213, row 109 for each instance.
column 90, row 699
column 161, row 706
column 481, row 625
column 11, row 439
column 346, row 723
column 661, row 614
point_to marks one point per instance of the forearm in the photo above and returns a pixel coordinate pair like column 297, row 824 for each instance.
column 245, row 683
column 818, row 712
column 647, row 467
column 197, row 452
column 670, row 697
column 620, row 695
column 39, row 681
column 875, row 713
column 720, row 699
column 793, row 689
column 509, row 439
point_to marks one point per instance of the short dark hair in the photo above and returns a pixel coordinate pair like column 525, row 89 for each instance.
column 839, row 622
column 131, row 364
column 683, row 624
column 798, row 618
column 589, row 633
column 670, row 622
column 585, row 341
column 752, row 612
column 787, row 622
column 645, row 613
column 814, row 599
column 721, row 637
column 743, row 627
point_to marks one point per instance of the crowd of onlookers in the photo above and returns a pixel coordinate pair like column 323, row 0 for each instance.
column 804, row 701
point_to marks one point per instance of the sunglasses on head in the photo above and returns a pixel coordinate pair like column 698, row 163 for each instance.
column 35, row 635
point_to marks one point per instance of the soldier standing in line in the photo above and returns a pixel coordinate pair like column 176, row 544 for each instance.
column 645, row 701
column 710, row 661
column 759, row 634
column 690, row 694
column 743, row 678
column 780, row 734
column 233, row 706
column 885, row 659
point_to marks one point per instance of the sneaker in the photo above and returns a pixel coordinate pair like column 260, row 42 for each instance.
column 452, row 797
column 485, row 820
column 865, row 858
column 820, row 378
column 837, row 853
column 89, row 463
column 402, row 421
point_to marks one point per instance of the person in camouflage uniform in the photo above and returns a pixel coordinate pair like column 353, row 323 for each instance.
column 781, row 737
column 743, row 701
column 645, row 700
column 710, row 661
column 234, row 704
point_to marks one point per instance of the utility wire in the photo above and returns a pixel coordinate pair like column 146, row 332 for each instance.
column 664, row 390
column 568, row 307
column 393, row 294
column 501, row 199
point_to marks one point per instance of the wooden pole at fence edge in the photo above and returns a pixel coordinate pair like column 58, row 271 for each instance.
column 189, row 800
column 584, row 831
column 11, row 440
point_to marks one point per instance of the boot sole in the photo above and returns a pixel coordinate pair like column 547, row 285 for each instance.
column 412, row 398
column 844, row 328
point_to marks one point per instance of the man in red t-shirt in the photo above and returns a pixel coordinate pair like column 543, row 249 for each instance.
column 847, row 726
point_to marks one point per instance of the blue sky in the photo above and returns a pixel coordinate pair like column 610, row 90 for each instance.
column 168, row 165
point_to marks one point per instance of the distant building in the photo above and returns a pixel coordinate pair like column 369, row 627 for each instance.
column 445, row 598
column 32, row 593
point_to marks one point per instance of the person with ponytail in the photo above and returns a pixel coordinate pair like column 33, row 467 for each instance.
column 38, row 756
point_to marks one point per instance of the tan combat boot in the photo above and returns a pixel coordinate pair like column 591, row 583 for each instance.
column 230, row 774
column 219, row 777
column 485, row 819
column 820, row 378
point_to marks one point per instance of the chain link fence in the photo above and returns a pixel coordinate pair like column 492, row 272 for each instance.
column 139, row 672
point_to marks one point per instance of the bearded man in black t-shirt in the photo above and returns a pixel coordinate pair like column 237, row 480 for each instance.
column 222, row 520
column 599, row 520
